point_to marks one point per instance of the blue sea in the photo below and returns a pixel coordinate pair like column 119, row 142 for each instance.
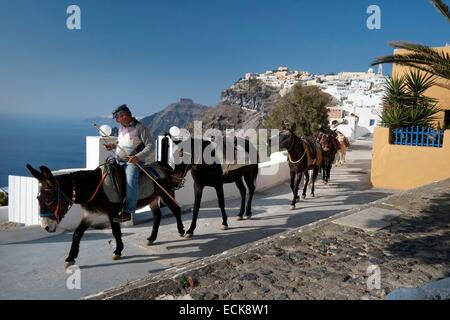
column 56, row 142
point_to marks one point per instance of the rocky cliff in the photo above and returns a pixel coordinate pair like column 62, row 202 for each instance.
column 178, row 114
column 251, row 94
column 225, row 116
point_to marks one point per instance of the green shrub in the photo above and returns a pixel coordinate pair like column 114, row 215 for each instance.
column 3, row 199
column 406, row 105
column 304, row 106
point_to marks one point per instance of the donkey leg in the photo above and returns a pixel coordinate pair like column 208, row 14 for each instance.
column 176, row 210
column 313, row 180
column 221, row 199
column 243, row 192
column 326, row 170
column 298, row 178
column 249, row 180
column 154, row 206
column 76, row 238
column 292, row 180
column 198, row 191
column 328, row 174
column 305, row 184
column 117, row 233
column 293, row 175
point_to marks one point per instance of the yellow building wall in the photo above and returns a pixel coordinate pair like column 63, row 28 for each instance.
column 407, row 167
column 441, row 93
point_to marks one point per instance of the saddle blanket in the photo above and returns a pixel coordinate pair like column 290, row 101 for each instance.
column 114, row 183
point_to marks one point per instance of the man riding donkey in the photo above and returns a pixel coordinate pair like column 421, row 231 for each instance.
column 134, row 147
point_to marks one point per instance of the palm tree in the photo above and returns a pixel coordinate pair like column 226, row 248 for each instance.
column 420, row 56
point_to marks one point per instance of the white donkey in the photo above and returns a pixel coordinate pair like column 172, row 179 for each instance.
column 343, row 147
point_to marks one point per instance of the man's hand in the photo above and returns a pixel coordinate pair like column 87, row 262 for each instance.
column 109, row 147
column 133, row 159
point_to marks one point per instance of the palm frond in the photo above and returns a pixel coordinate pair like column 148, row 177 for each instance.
column 442, row 8
column 420, row 57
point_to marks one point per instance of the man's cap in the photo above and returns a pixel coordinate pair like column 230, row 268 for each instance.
column 122, row 108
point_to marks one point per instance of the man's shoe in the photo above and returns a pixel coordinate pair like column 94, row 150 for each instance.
column 123, row 217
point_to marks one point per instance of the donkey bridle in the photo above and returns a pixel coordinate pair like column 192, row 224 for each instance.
column 57, row 206
column 291, row 145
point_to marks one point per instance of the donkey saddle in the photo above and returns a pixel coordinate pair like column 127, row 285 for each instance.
column 114, row 184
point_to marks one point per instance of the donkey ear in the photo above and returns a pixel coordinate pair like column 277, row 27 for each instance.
column 293, row 127
column 34, row 172
column 46, row 173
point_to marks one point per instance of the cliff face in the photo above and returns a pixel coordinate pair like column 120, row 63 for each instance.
column 178, row 114
column 251, row 94
column 225, row 116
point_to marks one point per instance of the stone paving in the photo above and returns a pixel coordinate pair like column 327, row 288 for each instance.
column 325, row 260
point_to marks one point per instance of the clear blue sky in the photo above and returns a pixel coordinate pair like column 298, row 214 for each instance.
column 150, row 53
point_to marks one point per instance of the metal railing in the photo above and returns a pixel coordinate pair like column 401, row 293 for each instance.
column 418, row 136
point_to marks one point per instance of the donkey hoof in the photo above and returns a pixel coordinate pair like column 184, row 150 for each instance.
column 222, row 227
column 303, row 197
column 68, row 264
column 313, row 195
column 116, row 256
column 149, row 242
column 238, row 218
column 249, row 217
column 181, row 234
column 188, row 235
column 292, row 207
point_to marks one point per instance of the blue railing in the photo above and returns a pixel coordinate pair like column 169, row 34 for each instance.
column 418, row 136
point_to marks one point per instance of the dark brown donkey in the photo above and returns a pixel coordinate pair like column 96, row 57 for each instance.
column 58, row 193
column 300, row 160
column 330, row 146
column 205, row 173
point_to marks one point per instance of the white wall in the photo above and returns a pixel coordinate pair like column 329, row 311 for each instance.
column 96, row 152
column 23, row 206
column 352, row 130
column 4, row 213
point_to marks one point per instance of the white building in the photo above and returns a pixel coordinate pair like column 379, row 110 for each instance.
column 360, row 95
